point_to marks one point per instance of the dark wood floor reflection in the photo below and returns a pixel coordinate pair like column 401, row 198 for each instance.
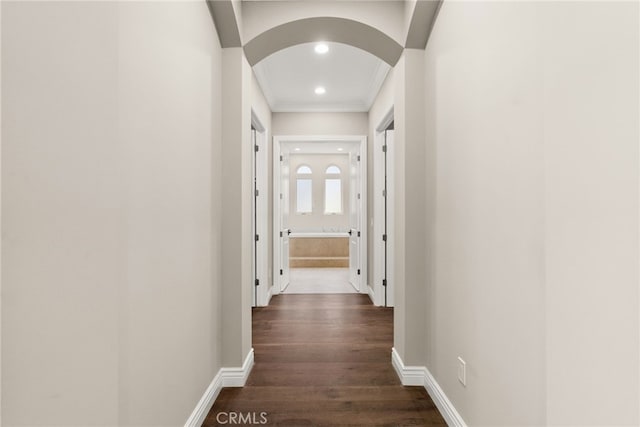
column 324, row 360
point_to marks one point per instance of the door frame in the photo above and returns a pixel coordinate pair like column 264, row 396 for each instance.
column 259, row 218
column 278, row 141
column 377, row 291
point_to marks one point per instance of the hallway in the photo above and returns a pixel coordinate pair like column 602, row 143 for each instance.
column 140, row 148
column 324, row 360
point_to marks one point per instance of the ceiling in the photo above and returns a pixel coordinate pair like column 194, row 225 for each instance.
column 319, row 147
column 352, row 78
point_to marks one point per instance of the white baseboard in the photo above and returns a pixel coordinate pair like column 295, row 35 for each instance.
column 206, row 402
column 371, row 295
column 409, row 375
column 226, row 377
column 237, row 377
column 420, row 376
column 270, row 294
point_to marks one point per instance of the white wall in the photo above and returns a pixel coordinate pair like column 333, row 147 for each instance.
column 60, row 290
column 320, row 123
column 236, row 199
column 317, row 220
column 111, row 158
column 591, row 143
column 532, row 118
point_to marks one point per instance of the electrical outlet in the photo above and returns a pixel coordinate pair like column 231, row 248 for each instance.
column 462, row 371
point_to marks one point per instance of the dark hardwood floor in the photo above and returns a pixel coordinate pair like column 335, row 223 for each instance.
column 324, row 360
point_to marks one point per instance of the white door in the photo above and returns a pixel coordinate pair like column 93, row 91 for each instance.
column 256, row 228
column 388, row 223
column 260, row 224
column 284, row 221
column 354, row 220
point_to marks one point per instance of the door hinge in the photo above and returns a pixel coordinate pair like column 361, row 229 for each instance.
column 384, row 237
column 281, row 272
column 384, row 282
column 358, row 196
column 358, row 157
column 281, row 158
column 257, row 237
column 256, row 148
column 281, row 196
column 384, row 148
column 257, row 192
column 384, row 193
column 257, row 282
column 358, row 272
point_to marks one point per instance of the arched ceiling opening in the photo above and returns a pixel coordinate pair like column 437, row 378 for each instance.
column 369, row 36
column 329, row 29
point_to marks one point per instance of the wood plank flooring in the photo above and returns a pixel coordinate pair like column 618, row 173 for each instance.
column 324, row 360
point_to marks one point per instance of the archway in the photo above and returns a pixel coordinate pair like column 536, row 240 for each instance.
column 331, row 29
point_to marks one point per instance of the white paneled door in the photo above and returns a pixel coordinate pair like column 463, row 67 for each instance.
column 285, row 229
column 354, row 220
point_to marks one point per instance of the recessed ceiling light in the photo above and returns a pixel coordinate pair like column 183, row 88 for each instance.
column 321, row 48
column 297, row 149
column 340, row 149
column 320, row 90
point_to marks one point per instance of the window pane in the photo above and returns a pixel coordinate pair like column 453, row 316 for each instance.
column 333, row 196
column 304, row 169
column 303, row 198
column 333, row 169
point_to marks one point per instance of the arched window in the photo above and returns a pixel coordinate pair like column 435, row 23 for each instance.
column 333, row 170
column 332, row 191
column 304, row 190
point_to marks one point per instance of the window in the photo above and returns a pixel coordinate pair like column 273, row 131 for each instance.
column 333, row 170
column 332, row 191
column 304, row 190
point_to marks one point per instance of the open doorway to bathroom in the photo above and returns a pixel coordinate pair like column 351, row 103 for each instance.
column 319, row 211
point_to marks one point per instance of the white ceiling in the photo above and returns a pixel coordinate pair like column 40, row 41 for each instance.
column 351, row 76
column 319, row 147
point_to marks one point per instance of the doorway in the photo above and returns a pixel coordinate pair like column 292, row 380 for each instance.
column 383, row 205
column 319, row 211
column 260, row 287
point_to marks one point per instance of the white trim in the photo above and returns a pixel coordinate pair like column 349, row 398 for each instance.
column 371, row 294
column 386, row 120
column 270, row 293
column 256, row 122
column 391, row 215
column 420, row 376
column 380, row 75
column 226, row 377
column 446, row 408
column 409, row 375
column 205, row 404
column 276, row 287
column 378, row 219
column 378, row 246
column 237, row 377
column 284, row 107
